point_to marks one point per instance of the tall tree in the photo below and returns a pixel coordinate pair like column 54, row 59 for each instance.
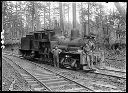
column 88, row 18
column 61, row 16
column 49, row 15
column 33, row 15
column 74, row 14
column 37, row 18
column 44, row 16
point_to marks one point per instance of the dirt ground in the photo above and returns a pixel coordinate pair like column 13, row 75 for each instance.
column 12, row 48
column 12, row 80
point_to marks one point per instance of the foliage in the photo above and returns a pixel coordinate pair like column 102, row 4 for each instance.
column 12, row 21
column 104, row 23
column 22, row 16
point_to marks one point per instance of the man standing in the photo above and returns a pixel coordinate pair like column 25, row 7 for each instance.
column 88, row 56
column 56, row 53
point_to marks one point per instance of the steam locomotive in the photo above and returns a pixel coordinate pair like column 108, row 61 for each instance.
column 40, row 43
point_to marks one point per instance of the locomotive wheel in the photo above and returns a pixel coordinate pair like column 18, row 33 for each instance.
column 77, row 67
column 61, row 66
column 24, row 55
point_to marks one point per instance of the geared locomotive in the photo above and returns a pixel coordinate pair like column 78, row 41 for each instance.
column 40, row 43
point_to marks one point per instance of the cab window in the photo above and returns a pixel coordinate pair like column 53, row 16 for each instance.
column 44, row 36
column 36, row 35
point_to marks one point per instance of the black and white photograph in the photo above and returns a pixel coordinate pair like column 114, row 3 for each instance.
column 53, row 46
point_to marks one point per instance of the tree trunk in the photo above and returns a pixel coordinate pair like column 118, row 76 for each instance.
column 44, row 17
column 88, row 21
column 74, row 14
column 37, row 17
column 49, row 15
column 17, row 19
column 3, row 12
column 61, row 17
column 33, row 12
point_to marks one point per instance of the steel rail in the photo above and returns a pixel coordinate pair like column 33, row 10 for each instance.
column 59, row 75
column 29, row 74
column 94, row 71
column 63, row 76
column 10, row 80
column 111, row 70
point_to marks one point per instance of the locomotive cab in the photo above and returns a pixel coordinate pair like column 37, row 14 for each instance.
column 37, row 44
column 43, row 45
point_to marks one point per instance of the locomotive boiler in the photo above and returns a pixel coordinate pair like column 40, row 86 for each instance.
column 71, row 57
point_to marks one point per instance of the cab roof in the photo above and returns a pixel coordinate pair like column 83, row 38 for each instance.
column 44, row 31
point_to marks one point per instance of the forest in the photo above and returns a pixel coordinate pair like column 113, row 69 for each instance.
column 107, row 21
column 21, row 17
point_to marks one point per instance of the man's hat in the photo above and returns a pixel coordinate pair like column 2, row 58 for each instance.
column 56, row 46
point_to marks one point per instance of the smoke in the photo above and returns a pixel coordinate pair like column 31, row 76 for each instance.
column 60, row 37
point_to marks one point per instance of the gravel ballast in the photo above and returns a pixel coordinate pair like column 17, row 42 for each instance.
column 12, row 80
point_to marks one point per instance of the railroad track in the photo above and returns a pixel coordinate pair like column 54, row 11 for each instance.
column 116, row 71
column 70, row 75
column 110, row 73
column 111, row 70
column 106, row 72
column 49, row 81
column 28, row 76
column 11, row 79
